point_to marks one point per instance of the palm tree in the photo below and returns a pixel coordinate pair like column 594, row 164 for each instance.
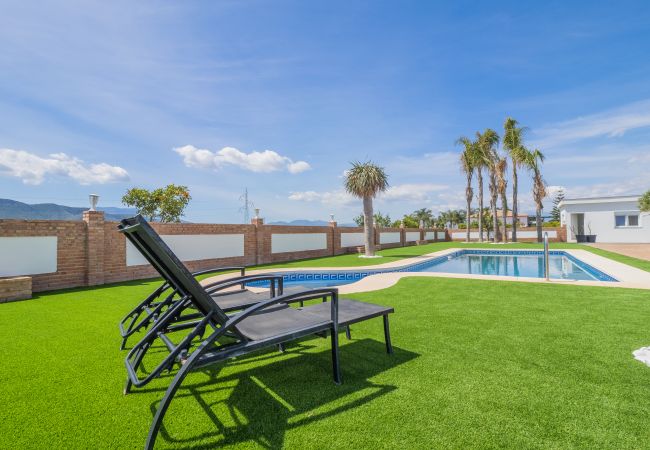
column 501, row 167
column 481, row 162
column 467, row 165
column 456, row 217
column 533, row 161
column 423, row 216
column 513, row 143
column 487, row 155
column 366, row 180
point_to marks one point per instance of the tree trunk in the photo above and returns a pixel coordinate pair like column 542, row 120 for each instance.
column 480, row 205
column 504, row 215
column 514, row 202
column 538, row 223
column 368, row 226
column 493, row 205
column 468, row 196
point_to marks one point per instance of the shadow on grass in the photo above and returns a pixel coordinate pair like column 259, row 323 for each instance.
column 267, row 401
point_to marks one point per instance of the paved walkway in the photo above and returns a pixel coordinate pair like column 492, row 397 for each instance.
column 641, row 251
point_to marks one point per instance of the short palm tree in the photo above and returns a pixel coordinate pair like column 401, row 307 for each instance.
column 501, row 167
column 468, row 165
column 534, row 161
column 513, row 137
column 423, row 216
column 487, row 153
column 366, row 180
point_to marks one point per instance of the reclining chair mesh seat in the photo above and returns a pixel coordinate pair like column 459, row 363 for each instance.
column 267, row 323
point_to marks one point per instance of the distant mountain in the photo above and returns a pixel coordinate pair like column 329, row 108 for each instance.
column 11, row 209
column 310, row 223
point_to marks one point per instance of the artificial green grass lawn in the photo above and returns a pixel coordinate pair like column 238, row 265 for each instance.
column 477, row 364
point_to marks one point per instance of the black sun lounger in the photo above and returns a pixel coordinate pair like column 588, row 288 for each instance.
column 228, row 299
column 231, row 294
column 216, row 336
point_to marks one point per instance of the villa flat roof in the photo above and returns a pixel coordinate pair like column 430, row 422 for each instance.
column 613, row 199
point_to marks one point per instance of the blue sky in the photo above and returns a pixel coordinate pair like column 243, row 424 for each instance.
column 279, row 97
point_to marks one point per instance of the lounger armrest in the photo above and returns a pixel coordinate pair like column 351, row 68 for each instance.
column 242, row 270
column 312, row 295
column 243, row 280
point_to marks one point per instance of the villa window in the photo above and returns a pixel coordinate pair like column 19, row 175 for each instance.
column 626, row 220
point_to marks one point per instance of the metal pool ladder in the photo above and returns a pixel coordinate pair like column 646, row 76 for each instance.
column 546, row 272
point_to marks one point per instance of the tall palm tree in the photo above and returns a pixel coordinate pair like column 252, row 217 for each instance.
column 480, row 163
column 487, row 155
column 467, row 165
column 513, row 143
column 501, row 167
column 533, row 162
column 366, row 180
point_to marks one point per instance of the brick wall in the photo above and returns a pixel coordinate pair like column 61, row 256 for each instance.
column 16, row 288
column 92, row 251
column 264, row 236
column 71, row 250
column 115, row 268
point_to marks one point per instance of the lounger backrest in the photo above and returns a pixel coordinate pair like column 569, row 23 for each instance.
column 167, row 264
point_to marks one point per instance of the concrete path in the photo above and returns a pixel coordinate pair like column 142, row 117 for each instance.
column 641, row 251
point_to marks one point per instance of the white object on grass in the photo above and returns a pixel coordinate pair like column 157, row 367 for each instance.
column 643, row 355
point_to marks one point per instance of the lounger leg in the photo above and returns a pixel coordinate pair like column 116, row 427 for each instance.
column 335, row 357
column 347, row 332
column 164, row 404
column 173, row 387
column 389, row 346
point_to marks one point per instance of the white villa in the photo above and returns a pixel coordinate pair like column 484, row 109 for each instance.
column 610, row 219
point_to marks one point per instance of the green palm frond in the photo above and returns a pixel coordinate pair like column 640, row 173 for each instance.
column 366, row 179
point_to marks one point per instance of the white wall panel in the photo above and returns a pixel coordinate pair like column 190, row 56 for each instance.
column 194, row 247
column 389, row 237
column 441, row 235
column 352, row 239
column 297, row 242
column 412, row 236
column 429, row 235
column 27, row 255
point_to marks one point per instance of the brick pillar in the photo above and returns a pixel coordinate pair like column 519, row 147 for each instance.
column 336, row 238
column 94, row 247
column 402, row 235
column 259, row 239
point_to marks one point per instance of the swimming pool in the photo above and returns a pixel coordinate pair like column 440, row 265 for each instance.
column 512, row 263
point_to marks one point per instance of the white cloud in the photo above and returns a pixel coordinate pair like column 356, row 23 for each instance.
column 412, row 191
column 612, row 123
column 438, row 164
column 403, row 192
column 339, row 197
column 266, row 161
column 32, row 169
column 632, row 186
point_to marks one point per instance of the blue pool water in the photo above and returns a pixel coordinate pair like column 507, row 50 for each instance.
column 529, row 263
